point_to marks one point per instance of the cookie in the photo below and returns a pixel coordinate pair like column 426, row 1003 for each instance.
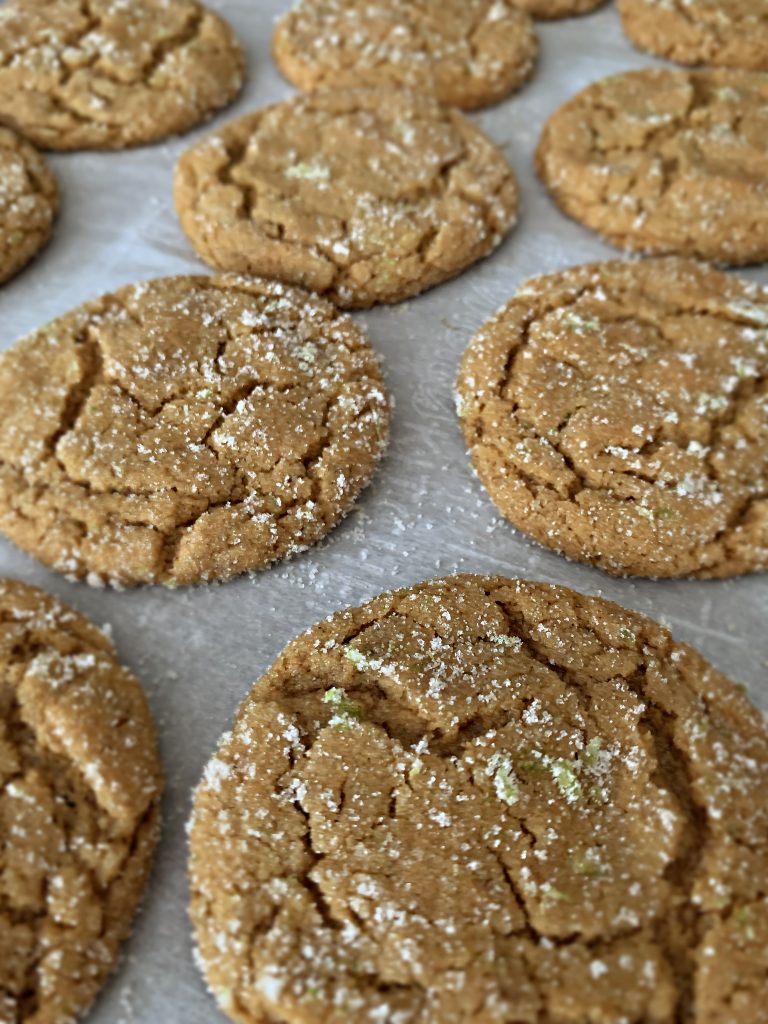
column 79, row 805
column 550, row 9
column 363, row 195
column 29, row 200
column 666, row 162
column 483, row 799
column 733, row 33
column 105, row 74
column 466, row 53
column 186, row 429
column 618, row 413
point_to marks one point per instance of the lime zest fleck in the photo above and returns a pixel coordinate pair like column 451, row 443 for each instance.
column 588, row 864
column 347, row 713
column 629, row 637
column 564, row 773
column 744, row 923
column 551, row 895
column 504, row 781
column 357, row 658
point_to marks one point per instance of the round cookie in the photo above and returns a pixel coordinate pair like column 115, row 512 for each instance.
column 733, row 33
column 465, row 53
column 186, row 429
column 616, row 412
column 105, row 74
column 666, row 162
column 490, row 800
column 29, row 201
column 363, row 195
column 79, row 805
column 546, row 10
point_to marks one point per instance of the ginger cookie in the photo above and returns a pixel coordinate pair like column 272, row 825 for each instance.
column 547, row 10
column 362, row 195
column 465, row 53
column 79, row 805
column 733, row 33
column 186, row 429
column 105, row 74
column 483, row 799
column 618, row 413
column 666, row 162
column 29, row 201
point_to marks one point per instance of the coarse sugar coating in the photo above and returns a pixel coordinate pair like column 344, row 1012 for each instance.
column 105, row 74
column 29, row 201
column 665, row 162
column 363, row 195
column 733, row 33
column 186, row 429
column 618, row 413
column 486, row 800
column 465, row 53
column 79, row 803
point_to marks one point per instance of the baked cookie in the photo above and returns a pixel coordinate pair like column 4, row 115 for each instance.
column 186, row 429
column 729, row 32
column 666, row 162
column 104, row 74
column 483, row 799
column 79, row 805
column 618, row 413
column 29, row 200
column 466, row 53
column 364, row 195
column 546, row 10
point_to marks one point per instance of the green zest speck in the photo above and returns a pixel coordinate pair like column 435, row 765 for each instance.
column 504, row 780
column 564, row 773
column 347, row 712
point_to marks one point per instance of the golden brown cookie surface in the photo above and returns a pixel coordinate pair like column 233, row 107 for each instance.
column 549, row 9
column 79, row 803
column 666, row 162
column 618, row 413
column 363, row 195
column 104, row 74
column 29, row 200
column 186, row 429
column 486, row 799
column 466, row 53
column 733, row 33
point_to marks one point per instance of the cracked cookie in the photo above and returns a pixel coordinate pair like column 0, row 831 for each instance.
column 733, row 33
column 363, row 195
column 79, row 804
column 105, row 74
column 550, row 9
column 29, row 201
column 618, row 413
column 466, row 53
column 186, row 429
column 666, row 162
column 482, row 799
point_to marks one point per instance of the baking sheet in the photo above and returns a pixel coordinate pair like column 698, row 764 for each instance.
column 198, row 650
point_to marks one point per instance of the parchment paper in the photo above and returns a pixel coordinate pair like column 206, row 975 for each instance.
column 198, row 650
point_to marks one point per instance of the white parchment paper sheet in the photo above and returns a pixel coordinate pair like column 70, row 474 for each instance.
column 198, row 650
